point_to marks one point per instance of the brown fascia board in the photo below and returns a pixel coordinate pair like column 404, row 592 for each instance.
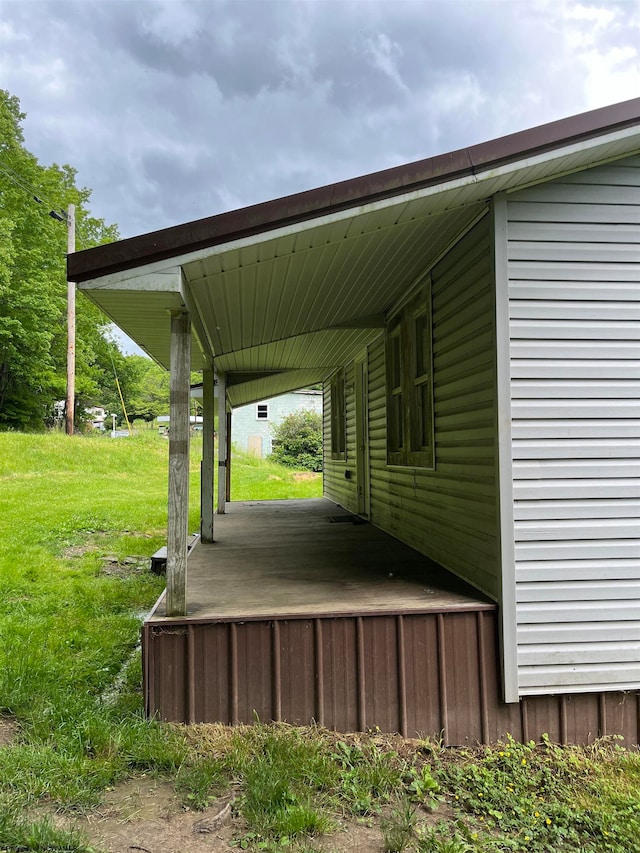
column 269, row 215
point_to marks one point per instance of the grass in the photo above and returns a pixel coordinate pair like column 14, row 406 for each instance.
column 259, row 479
column 78, row 519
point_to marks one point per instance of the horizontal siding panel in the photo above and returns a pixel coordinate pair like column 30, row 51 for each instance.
column 559, row 309
column 611, row 448
column 585, row 389
column 589, row 291
column 577, row 570
column 586, row 509
column 550, row 271
column 560, row 213
column 593, row 689
column 553, row 531
column 611, row 330
column 570, row 253
column 577, row 631
column 575, row 469
column 569, row 676
column 568, row 489
column 578, row 653
column 572, row 349
column 579, row 591
column 560, row 369
column 593, row 611
column 570, row 428
column 564, row 409
column 576, row 549
column 526, row 232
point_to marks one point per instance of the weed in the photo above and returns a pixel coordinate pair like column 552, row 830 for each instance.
column 368, row 776
column 421, row 786
column 199, row 782
column 442, row 839
column 398, row 827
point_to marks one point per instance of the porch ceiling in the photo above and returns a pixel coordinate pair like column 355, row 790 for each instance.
column 283, row 293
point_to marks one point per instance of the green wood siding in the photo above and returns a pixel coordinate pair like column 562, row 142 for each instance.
column 450, row 513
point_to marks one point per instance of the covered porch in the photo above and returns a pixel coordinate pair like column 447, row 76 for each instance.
column 302, row 612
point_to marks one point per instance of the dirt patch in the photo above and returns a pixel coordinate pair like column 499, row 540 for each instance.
column 145, row 815
column 74, row 552
column 124, row 568
column 304, row 476
column 8, row 731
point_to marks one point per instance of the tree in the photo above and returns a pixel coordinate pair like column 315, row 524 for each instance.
column 298, row 441
column 33, row 282
column 149, row 395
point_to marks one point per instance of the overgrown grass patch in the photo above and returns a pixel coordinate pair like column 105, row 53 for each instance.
column 72, row 513
column 19, row 834
column 543, row 797
column 253, row 478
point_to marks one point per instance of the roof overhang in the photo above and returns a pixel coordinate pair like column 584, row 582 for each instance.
column 284, row 293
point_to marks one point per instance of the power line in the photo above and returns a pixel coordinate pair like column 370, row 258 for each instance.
column 25, row 186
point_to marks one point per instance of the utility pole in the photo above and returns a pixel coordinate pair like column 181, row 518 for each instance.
column 71, row 325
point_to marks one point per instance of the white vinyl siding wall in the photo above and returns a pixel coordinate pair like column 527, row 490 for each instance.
column 574, row 301
column 450, row 513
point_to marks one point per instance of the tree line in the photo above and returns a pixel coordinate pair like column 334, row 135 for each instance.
column 33, row 298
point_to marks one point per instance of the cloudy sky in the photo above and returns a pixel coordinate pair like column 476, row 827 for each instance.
column 171, row 110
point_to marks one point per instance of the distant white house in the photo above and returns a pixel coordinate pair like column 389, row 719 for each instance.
column 163, row 422
column 252, row 425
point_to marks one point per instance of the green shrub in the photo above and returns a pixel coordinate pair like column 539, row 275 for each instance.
column 298, row 441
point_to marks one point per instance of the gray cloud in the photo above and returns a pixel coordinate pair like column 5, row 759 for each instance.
column 175, row 109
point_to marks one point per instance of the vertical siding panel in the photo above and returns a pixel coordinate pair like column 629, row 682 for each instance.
column 381, row 682
column 421, row 673
column 298, row 669
column 168, row 658
column 255, row 672
column 339, row 675
column 212, row 689
column 464, row 711
column 574, row 302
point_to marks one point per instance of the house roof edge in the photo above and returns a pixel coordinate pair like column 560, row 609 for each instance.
column 309, row 204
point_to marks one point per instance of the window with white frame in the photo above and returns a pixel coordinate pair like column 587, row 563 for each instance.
column 410, row 439
column 262, row 411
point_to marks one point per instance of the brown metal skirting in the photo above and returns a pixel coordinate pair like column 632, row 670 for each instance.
column 418, row 674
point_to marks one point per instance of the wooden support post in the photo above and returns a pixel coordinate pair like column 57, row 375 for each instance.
column 178, row 516
column 208, row 458
column 222, row 442
column 228, row 468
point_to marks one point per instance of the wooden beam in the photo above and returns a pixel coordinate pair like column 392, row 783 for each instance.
column 222, row 442
column 178, row 516
column 208, row 458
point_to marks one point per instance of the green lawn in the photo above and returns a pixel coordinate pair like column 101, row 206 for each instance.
column 79, row 518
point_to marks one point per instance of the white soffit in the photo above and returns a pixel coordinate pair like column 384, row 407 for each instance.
column 281, row 284
column 272, row 386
